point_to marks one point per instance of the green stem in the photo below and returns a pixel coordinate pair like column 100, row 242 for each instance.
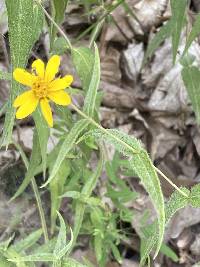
column 55, row 24
column 126, row 145
column 36, row 193
column 170, row 182
column 95, row 33
column 103, row 129
column 40, row 209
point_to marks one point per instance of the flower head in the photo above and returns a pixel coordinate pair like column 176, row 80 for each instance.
column 43, row 87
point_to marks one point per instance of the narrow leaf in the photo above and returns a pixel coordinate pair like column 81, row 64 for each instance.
column 193, row 34
column 56, row 189
column 80, row 206
column 83, row 60
column 24, row 17
column 27, row 242
column 145, row 170
column 42, row 257
column 90, row 100
column 164, row 32
column 178, row 8
column 141, row 165
column 166, row 250
column 191, row 79
column 67, row 145
column 62, row 247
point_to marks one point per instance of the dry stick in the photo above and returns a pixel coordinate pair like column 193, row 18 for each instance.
column 126, row 145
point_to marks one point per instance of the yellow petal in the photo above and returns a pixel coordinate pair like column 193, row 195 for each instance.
column 60, row 97
column 24, row 77
column 38, row 66
column 27, row 108
column 62, row 83
column 46, row 111
column 23, row 98
column 52, row 68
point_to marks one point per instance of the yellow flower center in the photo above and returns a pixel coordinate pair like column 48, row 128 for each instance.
column 40, row 88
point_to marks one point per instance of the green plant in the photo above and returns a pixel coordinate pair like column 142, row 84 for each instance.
column 80, row 136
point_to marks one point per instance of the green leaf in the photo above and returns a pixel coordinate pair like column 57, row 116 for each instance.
column 25, row 21
column 141, row 165
column 62, row 236
column 90, row 99
column 46, row 247
column 62, row 247
column 160, row 36
column 176, row 202
column 86, row 191
column 56, row 189
column 34, row 162
column 166, row 250
column 71, row 263
column 191, row 79
column 58, row 11
column 28, row 241
column 122, row 142
column 193, row 34
column 5, row 76
column 194, row 198
column 66, row 146
column 145, row 170
column 116, row 253
column 98, row 246
column 42, row 257
column 59, row 46
column 43, row 135
column 5, row 263
column 72, row 194
column 83, row 59
column 178, row 8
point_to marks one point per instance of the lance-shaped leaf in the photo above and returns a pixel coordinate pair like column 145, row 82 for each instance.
column 193, row 34
column 160, row 36
column 191, row 78
column 66, row 146
column 90, row 99
column 178, row 8
column 25, row 21
column 83, row 59
column 141, row 165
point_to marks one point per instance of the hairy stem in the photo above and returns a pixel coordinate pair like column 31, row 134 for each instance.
column 55, row 24
column 126, row 145
column 40, row 209
column 36, row 193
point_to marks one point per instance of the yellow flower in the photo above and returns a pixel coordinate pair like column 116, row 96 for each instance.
column 43, row 88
